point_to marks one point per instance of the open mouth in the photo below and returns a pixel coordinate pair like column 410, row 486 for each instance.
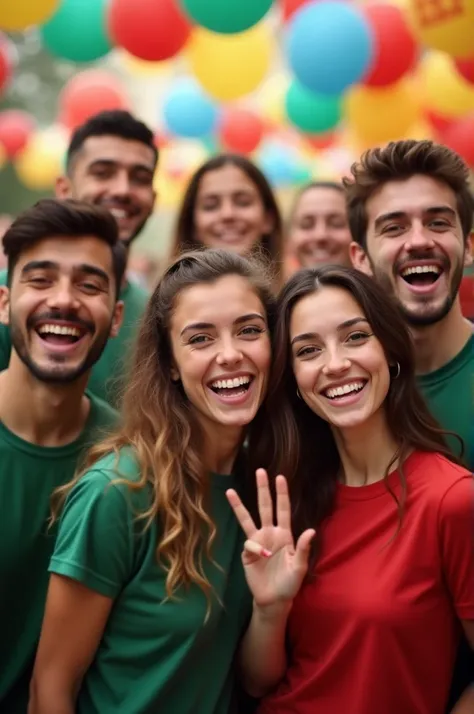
column 235, row 387
column 61, row 335
column 421, row 275
column 345, row 390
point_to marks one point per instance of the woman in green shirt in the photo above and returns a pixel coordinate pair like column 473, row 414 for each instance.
column 147, row 599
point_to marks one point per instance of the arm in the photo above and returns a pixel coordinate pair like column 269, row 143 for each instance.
column 73, row 624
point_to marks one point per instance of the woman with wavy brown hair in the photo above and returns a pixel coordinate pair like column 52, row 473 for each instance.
column 368, row 623
column 147, row 598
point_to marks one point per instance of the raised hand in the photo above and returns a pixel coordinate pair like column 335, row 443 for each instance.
column 274, row 567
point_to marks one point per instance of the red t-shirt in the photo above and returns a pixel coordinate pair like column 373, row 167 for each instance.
column 376, row 632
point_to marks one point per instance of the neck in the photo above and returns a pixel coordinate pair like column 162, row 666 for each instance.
column 366, row 451
column 438, row 344
column 40, row 413
column 221, row 446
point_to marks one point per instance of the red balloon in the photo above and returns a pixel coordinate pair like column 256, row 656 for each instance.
column 7, row 60
column 152, row 30
column 16, row 127
column 89, row 93
column 241, row 131
column 289, row 7
column 460, row 137
column 320, row 142
column 465, row 67
column 395, row 48
column 439, row 123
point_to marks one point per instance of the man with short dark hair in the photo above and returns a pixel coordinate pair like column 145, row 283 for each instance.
column 65, row 267
column 111, row 163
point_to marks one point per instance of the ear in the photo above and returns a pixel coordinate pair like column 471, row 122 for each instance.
column 62, row 188
column 175, row 376
column 4, row 305
column 359, row 258
column 117, row 319
column 469, row 250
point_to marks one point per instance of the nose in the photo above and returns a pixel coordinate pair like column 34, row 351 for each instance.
column 336, row 362
column 419, row 238
column 229, row 352
column 120, row 184
column 62, row 297
column 318, row 234
column 227, row 210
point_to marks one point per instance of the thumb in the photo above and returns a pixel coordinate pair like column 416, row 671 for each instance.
column 303, row 548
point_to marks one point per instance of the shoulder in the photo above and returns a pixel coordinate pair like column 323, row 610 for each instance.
column 114, row 477
column 102, row 413
column 448, row 486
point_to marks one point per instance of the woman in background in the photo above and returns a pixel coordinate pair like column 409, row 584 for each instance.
column 229, row 204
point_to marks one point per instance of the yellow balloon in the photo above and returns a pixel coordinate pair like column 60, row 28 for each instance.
column 445, row 25
column 379, row 115
column 443, row 89
column 42, row 160
column 169, row 190
column 230, row 66
column 271, row 98
column 19, row 14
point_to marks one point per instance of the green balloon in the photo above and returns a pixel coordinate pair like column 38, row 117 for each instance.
column 77, row 31
column 226, row 16
column 310, row 112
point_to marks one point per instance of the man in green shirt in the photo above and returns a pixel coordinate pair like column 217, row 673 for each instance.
column 110, row 162
column 65, row 266
column 410, row 213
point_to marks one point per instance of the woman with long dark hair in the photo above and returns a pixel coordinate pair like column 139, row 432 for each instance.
column 365, row 616
column 229, row 204
column 147, row 599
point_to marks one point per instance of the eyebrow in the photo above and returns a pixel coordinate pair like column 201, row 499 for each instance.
column 343, row 326
column 113, row 162
column 51, row 265
column 432, row 211
column 210, row 325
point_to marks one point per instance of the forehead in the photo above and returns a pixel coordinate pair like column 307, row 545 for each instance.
column 219, row 303
column 227, row 179
column 323, row 311
column 321, row 200
column 412, row 196
column 69, row 253
column 124, row 152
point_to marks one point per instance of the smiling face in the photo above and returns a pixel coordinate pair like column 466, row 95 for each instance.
column 339, row 365
column 229, row 211
column 415, row 246
column 319, row 230
column 221, row 350
column 61, row 307
column 115, row 173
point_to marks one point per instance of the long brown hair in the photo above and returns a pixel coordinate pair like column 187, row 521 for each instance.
column 298, row 443
column 159, row 426
column 271, row 245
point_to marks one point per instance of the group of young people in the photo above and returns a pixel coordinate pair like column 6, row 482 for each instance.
column 241, row 492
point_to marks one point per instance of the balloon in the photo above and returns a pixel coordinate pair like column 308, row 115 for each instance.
column 149, row 29
column 289, row 7
column 241, row 130
column 320, row 141
column 20, row 14
column 466, row 69
column 187, row 111
column 89, row 93
column 310, row 112
column 444, row 90
column 226, row 16
column 16, row 128
column 381, row 115
column 278, row 162
column 330, row 46
column 395, row 48
column 271, row 98
column 7, row 60
column 460, row 138
column 229, row 67
column 42, row 160
column 445, row 25
column 77, row 31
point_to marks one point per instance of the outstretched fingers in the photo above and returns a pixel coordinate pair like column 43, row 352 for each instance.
column 241, row 513
column 283, row 506
column 303, row 548
column 265, row 504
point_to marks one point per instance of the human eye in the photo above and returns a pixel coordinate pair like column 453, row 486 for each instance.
column 39, row 281
column 252, row 331
column 90, row 287
column 199, row 340
column 392, row 229
column 440, row 224
column 358, row 337
column 308, row 351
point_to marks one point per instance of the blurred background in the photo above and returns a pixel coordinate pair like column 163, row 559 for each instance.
column 300, row 86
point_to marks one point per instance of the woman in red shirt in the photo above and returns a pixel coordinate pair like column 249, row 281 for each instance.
column 365, row 617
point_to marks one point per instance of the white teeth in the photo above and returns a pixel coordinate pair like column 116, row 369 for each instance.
column 421, row 269
column 59, row 330
column 230, row 383
column 343, row 390
column 118, row 213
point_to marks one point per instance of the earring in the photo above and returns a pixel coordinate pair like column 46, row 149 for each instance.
column 396, row 376
column 298, row 393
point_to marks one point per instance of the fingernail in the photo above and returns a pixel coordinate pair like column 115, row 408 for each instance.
column 266, row 553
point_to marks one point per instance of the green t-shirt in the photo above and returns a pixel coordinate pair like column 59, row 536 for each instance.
column 449, row 393
column 156, row 655
column 28, row 476
column 105, row 379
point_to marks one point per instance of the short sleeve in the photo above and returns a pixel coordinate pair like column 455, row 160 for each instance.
column 95, row 539
column 456, row 530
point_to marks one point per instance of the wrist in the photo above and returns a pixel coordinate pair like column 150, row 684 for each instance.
column 273, row 613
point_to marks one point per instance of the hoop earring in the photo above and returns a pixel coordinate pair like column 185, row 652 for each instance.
column 396, row 376
column 298, row 394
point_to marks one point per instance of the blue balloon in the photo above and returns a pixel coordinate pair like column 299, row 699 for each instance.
column 330, row 46
column 188, row 112
column 279, row 163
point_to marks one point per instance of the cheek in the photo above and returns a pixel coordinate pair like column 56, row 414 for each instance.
column 305, row 375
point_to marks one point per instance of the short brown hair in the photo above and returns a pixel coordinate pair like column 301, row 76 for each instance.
column 399, row 161
column 67, row 218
